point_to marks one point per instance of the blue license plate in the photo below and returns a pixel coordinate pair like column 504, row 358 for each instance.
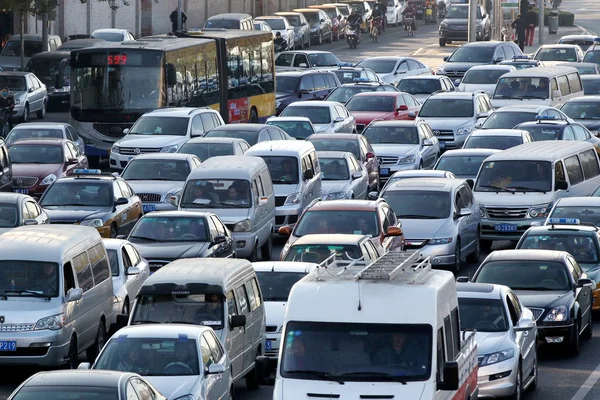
column 505, row 228
column 269, row 345
column 148, row 207
column 442, row 145
column 8, row 345
column 384, row 171
column 23, row 191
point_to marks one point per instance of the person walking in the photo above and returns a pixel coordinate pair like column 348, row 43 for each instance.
column 173, row 18
column 532, row 22
column 520, row 25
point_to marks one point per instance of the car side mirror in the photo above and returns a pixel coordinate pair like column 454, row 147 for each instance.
column 133, row 271
column 219, row 239
column 561, row 185
column 303, row 91
column 285, row 230
column 462, row 279
column 263, row 201
column 456, row 82
column 446, row 58
column 497, row 60
column 373, row 195
column 30, row 222
column 471, row 183
column 451, row 377
column 84, row 365
column 524, row 326
column 236, row 321
column 412, row 115
column 338, row 119
column 122, row 320
column 126, row 131
column 121, row 237
column 74, row 294
column 478, row 124
column 585, row 282
column 400, row 71
column 196, row 133
column 30, row 90
column 370, row 156
column 215, row 369
column 357, row 175
column 427, row 142
column 121, row 201
column 322, row 20
column 174, row 200
column 403, row 107
column 72, row 161
column 394, row 231
column 465, row 212
column 303, row 24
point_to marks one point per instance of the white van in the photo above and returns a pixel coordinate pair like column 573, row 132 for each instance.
column 382, row 331
column 57, row 295
column 296, row 176
column 518, row 186
column 249, row 215
column 220, row 293
column 551, row 86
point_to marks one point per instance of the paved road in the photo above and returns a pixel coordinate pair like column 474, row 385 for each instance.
column 561, row 378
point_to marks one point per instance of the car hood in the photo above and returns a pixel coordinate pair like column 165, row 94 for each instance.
column 74, row 213
column 173, row 387
column 150, row 140
column 37, row 170
column 491, row 342
column 321, row 128
column 365, row 117
column 446, row 123
column 19, row 95
column 544, row 299
column 12, row 62
column 275, row 312
column 171, row 250
column 297, row 389
column 421, row 228
column 162, row 187
column 28, row 310
column 227, row 215
column 421, row 97
column 395, row 150
column 333, row 186
column 460, row 66
column 455, row 21
column 2, row 230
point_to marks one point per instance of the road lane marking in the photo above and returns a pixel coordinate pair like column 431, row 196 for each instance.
column 588, row 385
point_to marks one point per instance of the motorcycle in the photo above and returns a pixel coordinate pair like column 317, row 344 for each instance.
column 351, row 34
column 375, row 28
column 408, row 25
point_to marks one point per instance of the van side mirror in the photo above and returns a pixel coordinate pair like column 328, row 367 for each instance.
column 219, row 239
column 471, row 183
column 236, row 321
column 263, row 201
column 122, row 320
column 84, row 365
column 309, row 174
column 394, row 231
column 171, row 75
column 561, row 185
column 121, row 201
column 450, row 374
column 215, row 369
column 74, row 294
column 133, row 271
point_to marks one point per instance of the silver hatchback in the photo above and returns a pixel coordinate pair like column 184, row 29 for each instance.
column 30, row 94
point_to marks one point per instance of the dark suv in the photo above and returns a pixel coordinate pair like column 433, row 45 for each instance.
column 455, row 25
column 303, row 85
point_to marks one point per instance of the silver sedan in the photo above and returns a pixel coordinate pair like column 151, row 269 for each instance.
column 343, row 177
column 326, row 116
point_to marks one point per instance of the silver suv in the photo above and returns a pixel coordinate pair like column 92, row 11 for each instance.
column 452, row 115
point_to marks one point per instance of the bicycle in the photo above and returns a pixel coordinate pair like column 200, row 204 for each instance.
column 375, row 29
column 408, row 23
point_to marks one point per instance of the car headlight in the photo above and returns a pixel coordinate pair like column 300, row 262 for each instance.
column 169, row 195
column 96, row 222
column 465, row 130
column 292, row 199
column 557, row 314
column 444, row 25
column 115, row 149
column 48, row 180
column 407, row 160
column 243, row 226
column 540, row 211
column 53, row 322
column 497, row 357
column 441, row 241
column 483, row 212
column 336, row 196
column 441, row 71
column 170, row 149
column 17, row 101
column 64, row 89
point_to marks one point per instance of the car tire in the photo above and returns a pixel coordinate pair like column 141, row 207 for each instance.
column 589, row 330
column 93, row 351
column 320, row 39
column 267, row 249
column 25, row 116
column 73, row 355
column 573, row 344
column 41, row 114
column 535, row 370
column 476, row 254
column 442, row 42
column 457, row 257
column 519, row 384
column 252, row 378
column 253, row 257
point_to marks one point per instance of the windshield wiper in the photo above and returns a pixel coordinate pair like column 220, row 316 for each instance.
column 497, row 188
column 145, row 238
column 31, row 292
column 528, row 189
column 388, row 377
column 319, row 374
column 416, row 216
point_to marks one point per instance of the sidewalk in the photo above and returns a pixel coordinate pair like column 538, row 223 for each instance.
column 547, row 38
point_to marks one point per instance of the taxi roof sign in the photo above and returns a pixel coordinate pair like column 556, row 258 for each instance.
column 87, row 172
column 546, row 118
column 564, row 221
column 361, row 79
column 521, row 57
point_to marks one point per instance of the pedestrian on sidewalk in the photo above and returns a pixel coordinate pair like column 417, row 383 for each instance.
column 173, row 18
column 532, row 22
column 520, row 26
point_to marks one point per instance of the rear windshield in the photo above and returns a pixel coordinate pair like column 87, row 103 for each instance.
column 591, row 86
column 493, row 142
column 222, row 23
column 419, row 86
column 483, row 76
column 13, row 48
column 507, row 120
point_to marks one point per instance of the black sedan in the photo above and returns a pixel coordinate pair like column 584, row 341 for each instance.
column 165, row 236
column 551, row 284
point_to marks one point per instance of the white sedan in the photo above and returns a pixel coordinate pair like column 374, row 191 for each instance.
column 129, row 271
column 326, row 116
column 343, row 177
column 391, row 69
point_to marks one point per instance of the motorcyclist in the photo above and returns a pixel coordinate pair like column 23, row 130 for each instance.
column 354, row 20
column 410, row 12
column 279, row 41
column 7, row 104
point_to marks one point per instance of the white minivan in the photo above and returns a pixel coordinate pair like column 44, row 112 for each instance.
column 296, row 176
column 518, row 186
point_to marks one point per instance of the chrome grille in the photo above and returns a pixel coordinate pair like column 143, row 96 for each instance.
column 537, row 312
column 457, row 27
column 112, row 130
column 149, row 197
column 24, row 181
column 134, row 151
column 16, row 327
column 506, row 213
column 387, row 160
column 280, row 200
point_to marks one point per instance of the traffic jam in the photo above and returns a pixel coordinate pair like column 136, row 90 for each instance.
column 139, row 243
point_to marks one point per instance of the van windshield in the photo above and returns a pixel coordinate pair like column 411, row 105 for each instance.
column 217, row 193
column 515, row 176
column 28, row 278
column 359, row 352
column 522, row 88
column 284, row 170
column 276, row 286
column 195, row 309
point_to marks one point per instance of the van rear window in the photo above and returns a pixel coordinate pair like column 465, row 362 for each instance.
column 180, row 308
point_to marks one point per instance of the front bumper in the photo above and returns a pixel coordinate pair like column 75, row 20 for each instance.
column 459, row 35
column 287, row 215
column 52, row 355
column 441, row 254
column 244, row 243
column 495, row 388
column 556, row 334
column 162, row 206
column 495, row 229
column 58, row 98
column 18, row 111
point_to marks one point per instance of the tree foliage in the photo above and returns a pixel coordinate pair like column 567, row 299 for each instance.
column 33, row 6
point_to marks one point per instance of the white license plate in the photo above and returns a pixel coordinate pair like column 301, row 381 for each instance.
column 22, row 191
column 505, row 228
column 384, row 171
column 148, row 207
column 8, row 345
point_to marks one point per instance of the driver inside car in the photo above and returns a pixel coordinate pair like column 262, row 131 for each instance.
column 182, row 364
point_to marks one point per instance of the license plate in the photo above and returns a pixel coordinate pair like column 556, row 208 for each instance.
column 442, row 145
column 505, row 228
column 8, row 345
column 22, row 191
column 384, row 171
column 148, row 207
column 269, row 345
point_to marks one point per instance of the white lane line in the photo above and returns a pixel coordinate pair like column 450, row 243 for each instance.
column 588, row 385
column 417, row 52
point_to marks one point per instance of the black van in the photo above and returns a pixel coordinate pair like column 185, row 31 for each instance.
column 46, row 66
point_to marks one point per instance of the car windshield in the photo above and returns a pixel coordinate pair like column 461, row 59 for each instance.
column 13, row 83
column 150, row 356
column 171, row 126
column 36, row 154
column 343, row 94
column 371, row 103
column 507, row 120
column 460, row 12
column 392, row 135
column 29, row 278
column 251, row 137
column 359, row 7
column 419, row 86
column 33, row 133
column 581, row 110
column 156, row 170
column 317, row 114
column 592, row 56
column 338, row 221
column 461, row 165
column 13, row 48
column 585, row 214
column 543, row 132
column 334, row 169
column 109, row 36
column 525, row 274
column 276, row 24
column 482, row 315
column 582, row 247
column 492, row 142
column 343, row 10
column 204, row 151
column 359, row 352
column 9, row 215
column 522, row 88
column 447, row 108
column 317, row 253
column 294, row 20
column 556, row 54
column 330, row 144
column 284, row 170
column 113, row 260
column 311, row 17
column 297, row 129
column 515, row 176
column 346, row 76
column 170, row 229
column 75, row 193
column 591, row 86
column 483, row 76
column 379, row 66
column 419, row 204
column 583, row 43
column 323, row 60
column 287, row 84
column 179, row 308
column 71, row 392
column 217, row 193
column 276, row 286
column 473, row 54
